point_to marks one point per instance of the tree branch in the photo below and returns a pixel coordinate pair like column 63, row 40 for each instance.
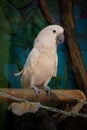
column 75, row 56
column 53, row 98
column 45, row 11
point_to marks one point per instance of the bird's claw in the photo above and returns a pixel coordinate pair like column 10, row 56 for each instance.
column 36, row 90
column 47, row 89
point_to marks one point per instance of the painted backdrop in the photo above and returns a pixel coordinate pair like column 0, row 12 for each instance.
column 20, row 22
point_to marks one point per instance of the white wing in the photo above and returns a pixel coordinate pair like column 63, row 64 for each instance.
column 56, row 64
column 30, row 62
column 32, row 59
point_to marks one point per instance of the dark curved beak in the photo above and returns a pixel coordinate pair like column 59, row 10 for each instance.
column 60, row 38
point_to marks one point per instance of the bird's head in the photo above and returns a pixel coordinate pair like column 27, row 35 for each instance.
column 51, row 35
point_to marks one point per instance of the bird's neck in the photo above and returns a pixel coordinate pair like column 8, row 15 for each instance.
column 47, row 50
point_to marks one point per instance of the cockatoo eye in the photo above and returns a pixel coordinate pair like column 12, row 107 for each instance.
column 54, row 31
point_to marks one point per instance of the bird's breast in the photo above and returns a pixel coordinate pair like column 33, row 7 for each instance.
column 44, row 69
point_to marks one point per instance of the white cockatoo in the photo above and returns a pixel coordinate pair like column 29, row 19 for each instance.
column 42, row 61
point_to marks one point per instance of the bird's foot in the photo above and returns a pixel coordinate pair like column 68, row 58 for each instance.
column 47, row 89
column 36, row 90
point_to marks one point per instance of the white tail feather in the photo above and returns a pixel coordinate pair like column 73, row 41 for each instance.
column 19, row 73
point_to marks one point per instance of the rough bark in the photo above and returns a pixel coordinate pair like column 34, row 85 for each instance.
column 74, row 53
column 55, row 96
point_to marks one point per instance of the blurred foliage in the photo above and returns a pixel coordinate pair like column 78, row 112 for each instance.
column 3, row 115
column 11, row 15
column 82, row 4
column 53, row 6
column 20, row 4
column 4, row 83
